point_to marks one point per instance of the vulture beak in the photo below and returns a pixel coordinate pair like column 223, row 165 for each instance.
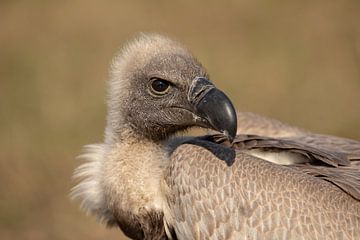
column 213, row 107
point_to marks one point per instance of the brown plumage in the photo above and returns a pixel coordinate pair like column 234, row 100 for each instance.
column 271, row 181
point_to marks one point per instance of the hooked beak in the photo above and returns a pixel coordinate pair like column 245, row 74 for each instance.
column 213, row 108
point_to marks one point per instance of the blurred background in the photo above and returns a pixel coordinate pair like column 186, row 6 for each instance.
column 295, row 61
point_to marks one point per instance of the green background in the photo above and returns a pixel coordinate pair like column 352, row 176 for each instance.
column 295, row 61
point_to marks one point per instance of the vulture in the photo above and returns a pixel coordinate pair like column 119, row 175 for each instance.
column 251, row 177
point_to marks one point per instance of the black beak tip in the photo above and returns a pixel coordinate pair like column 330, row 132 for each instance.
column 230, row 123
column 219, row 112
column 230, row 135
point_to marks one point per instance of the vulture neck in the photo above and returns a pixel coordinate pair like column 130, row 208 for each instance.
column 134, row 175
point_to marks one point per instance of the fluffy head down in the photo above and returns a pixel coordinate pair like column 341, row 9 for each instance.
column 90, row 191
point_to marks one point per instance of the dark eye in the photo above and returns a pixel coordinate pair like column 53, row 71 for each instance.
column 159, row 86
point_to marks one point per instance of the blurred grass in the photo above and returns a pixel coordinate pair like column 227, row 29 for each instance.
column 295, row 61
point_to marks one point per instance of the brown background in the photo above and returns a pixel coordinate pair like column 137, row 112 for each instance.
column 298, row 62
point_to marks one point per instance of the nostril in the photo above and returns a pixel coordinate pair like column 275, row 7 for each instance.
column 198, row 88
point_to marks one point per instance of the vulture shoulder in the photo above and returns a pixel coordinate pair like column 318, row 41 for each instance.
column 228, row 193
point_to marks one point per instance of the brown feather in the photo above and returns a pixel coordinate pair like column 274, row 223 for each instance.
column 254, row 199
column 333, row 161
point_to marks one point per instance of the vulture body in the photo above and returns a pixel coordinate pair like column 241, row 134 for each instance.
column 271, row 181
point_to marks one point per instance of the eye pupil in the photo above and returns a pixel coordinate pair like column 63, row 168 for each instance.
column 159, row 85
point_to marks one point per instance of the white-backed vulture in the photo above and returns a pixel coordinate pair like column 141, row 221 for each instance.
column 271, row 181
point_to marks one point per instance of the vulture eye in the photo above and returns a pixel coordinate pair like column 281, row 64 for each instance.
column 159, row 86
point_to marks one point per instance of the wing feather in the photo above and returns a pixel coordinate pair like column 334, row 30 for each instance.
column 333, row 161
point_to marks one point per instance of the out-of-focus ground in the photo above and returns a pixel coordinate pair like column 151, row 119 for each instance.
column 295, row 61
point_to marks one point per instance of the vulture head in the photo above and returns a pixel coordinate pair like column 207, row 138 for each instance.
column 158, row 88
